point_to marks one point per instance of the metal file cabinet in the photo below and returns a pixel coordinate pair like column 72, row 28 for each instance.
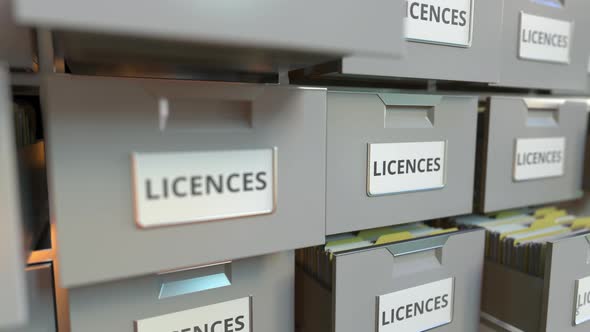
column 362, row 279
column 514, row 127
column 547, row 303
column 426, row 126
column 436, row 50
column 13, row 302
column 41, row 303
column 252, row 35
column 106, row 137
column 259, row 288
column 17, row 47
column 529, row 65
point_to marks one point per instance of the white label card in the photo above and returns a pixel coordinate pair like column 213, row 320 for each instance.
column 187, row 187
column 226, row 316
column 537, row 158
column 582, row 301
column 544, row 39
column 418, row 308
column 403, row 167
column 441, row 22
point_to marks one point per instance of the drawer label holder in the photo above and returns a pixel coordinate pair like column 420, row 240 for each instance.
column 232, row 315
column 446, row 22
column 582, row 301
column 405, row 167
column 189, row 187
column 538, row 158
column 544, row 39
column 418, row 308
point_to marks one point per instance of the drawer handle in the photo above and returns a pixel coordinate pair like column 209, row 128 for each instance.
column 392, row 99
column 409, row 117
column 551, row 3
column 181, row 115
column 163, row 112
column 543, row 112
column 409, row 111
column 194, row 280
column 542, row 118
column 418, row 245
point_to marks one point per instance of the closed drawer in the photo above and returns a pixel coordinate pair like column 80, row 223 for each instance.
column 254, row 294
column 389, row 155
column 434, row 275
column 180, row 174
column 556, row 301
column 457, row 40
column 554, row 62
column 532, row 152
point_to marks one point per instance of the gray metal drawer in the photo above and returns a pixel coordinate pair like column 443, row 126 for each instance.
column 477, row 60
column 528, row 65
column 252, row 35
column 544, row 304
column 359, row 122
column 254, row 156
column 509, row 181
column 363, row 278
column 258, row 289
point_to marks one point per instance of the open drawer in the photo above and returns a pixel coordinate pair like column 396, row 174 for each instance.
column 559, row 300
column 173, row 174
column 251, row 35
column 253, row 294
column 430, row 283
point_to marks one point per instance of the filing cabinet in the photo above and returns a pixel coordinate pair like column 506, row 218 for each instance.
column 531, row 152
column 391, row 155
column 41, row 305
column 251, row 36
column 171, row 174
column 254, row 294
column 13, row 300
column 543, row 44
column 369, row 285
column 458, row 41
column 547, row 303
column 17, row 47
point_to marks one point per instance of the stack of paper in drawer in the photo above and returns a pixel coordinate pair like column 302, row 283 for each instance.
column 25, row 124
column 317, row 260
column 519, row 238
